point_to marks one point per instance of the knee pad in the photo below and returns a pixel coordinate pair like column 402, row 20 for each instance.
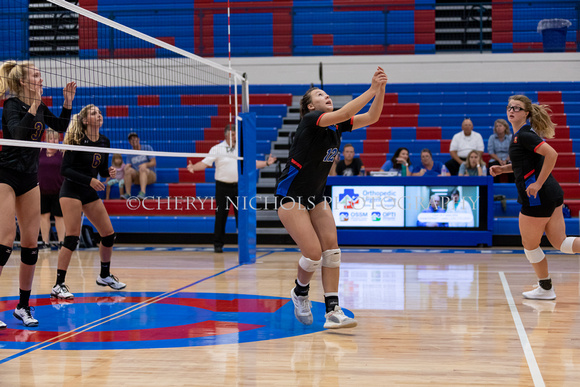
column 29, row 256
column 535, row 256
column 308, row 264
column 5, row 252
column 71, row 242
column 331, row 258
column 109, row 240
column 566, row 246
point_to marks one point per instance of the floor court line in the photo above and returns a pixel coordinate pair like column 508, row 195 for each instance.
column 113, row 316
column 528, row 352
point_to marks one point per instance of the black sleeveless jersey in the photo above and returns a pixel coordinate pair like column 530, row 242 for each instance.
column 311, row 156
column 18, row 124
column 81, row 167
column 527, row 164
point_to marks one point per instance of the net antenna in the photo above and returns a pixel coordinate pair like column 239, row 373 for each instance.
column 177, row 102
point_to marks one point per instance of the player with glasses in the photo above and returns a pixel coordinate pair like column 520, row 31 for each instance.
column 539, row 193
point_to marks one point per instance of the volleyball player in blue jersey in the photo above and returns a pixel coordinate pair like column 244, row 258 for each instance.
column 24, row 117
column 302, row 208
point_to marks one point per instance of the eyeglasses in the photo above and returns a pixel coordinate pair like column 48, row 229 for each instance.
column 514, row 108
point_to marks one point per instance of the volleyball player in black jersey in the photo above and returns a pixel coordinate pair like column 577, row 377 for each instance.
column 303, row 210
column 24, row 117
column 539, row 193
column 78, row 194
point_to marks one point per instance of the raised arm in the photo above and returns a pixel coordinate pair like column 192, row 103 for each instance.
column 353, row 107
column 374, row 113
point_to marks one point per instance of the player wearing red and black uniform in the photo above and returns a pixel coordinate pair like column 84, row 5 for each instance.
column 541, row 197
column 310, row 159
column 24, row 117
column 526, row 165
column 299, row 193
column 78, row 195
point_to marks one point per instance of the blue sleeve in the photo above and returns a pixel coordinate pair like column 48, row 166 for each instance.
column 387, row 166
column 461, row 169
column 490, row 145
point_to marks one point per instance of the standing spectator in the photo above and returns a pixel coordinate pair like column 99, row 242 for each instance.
column 498, row 147
column 400, row 162
column 119, row 165
column 139, row 169
column 429, row 167
column 473, row 166
column 24, row 117
column 78, row 195
column 463, row 143
column 539, row 193
column 50, row 181
column 302, row 207
column 350, row 166
column 434, row 207
column 226, row 180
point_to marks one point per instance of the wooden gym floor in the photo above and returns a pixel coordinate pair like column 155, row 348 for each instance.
column 189, row 317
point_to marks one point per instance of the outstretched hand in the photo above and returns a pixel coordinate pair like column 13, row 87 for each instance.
column 379, row 79
column 69, row 92
column 190, row 167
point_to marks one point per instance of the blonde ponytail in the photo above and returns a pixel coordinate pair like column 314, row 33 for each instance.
column 77, row 128
column 541, row 121
column 538, row 115
column 11, row 73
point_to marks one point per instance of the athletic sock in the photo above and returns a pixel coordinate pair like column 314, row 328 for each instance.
column 330, row 300
column 24, row 297
column 105, row 272
column 60, row 276
column 301, row 290
column 546, row 283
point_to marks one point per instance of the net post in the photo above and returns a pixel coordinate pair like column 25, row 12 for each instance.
column 245, row 94
column 247, row 190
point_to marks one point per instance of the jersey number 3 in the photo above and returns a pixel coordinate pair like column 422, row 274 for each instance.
column 330, row 154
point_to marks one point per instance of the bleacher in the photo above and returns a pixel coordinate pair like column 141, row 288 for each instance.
column 426, row 118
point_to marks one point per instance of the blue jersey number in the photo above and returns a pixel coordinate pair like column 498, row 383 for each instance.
column 330, row 154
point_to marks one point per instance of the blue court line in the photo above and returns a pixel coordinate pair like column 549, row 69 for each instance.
column 113, row 316
column 346, row 250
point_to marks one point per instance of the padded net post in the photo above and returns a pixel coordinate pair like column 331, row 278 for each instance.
column 247, row 190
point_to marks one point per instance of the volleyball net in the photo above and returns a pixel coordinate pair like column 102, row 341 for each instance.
column 175, row 101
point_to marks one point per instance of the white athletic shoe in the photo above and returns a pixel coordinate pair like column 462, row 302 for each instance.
column 61, row 291
column 540, row 293
column 337, row 319
column 111, row 281
column 24, row 315
column 302, row 306
column 2, row 325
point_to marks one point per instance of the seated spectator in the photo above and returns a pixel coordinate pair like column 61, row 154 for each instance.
column 117, row 162
column 429, row 167
column 434, row 207
column 400, row 163
column 463, row 143
column 462, row 208
column 139, row 169
column 350, row 166
column 473, row 166
column 498, row 147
